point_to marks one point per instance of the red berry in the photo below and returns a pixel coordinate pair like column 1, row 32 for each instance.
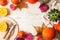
column 39, row 38
column 13, row 7
column 44, row 7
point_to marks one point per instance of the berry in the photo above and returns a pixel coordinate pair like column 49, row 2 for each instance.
column 39, row 38
column 13, row 7
column 44, row 7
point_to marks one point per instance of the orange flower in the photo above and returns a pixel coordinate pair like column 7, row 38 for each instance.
column 21, row 34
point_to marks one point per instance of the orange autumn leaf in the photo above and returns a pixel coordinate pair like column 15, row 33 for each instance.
column 22, row 4
column 39, row 29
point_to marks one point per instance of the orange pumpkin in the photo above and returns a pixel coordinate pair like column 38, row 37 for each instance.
column 15, row 1
column 48, row 33
column 57, row 27
column 32, row 1
column 3, row 2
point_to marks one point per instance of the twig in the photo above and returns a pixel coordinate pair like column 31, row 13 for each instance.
column 47, row 20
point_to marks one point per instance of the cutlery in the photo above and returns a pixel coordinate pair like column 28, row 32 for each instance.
column 6, row 37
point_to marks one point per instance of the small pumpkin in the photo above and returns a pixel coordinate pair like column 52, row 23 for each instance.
column 3, row 2
column 32, row 1
column 48, row 33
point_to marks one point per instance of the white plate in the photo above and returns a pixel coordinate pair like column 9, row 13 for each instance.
column 15, row 30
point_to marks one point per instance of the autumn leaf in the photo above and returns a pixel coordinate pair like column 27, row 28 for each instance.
column 22, row 4
column 39, row 29
column 44, row 26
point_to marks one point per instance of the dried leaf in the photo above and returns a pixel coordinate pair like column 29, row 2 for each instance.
column 22, row 4
column 44, row 26
column 40, row 29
